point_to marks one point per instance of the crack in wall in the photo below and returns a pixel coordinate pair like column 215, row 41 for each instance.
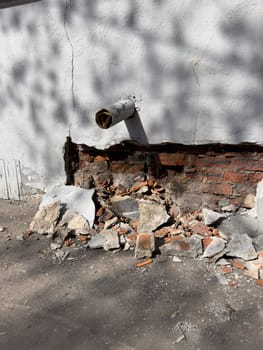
column 195, row 67
column 67, row 6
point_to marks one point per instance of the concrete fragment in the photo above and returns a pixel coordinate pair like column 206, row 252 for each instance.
column 241, row 246
column 96, row 241
column 216, row 246
column 72, row 197
column 126, row 206
column 231, row 208
column 111, row 239
column 152, row 215
column 243, row 221
column 46, row 218
column 211, row 217
column 3, row 228
column 178, row 248
column 55, row 246
column 196, row 245
column 222, row 262
column 76, row 222
column 145, row 245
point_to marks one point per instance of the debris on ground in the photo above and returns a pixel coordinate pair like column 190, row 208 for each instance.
column 138, row 214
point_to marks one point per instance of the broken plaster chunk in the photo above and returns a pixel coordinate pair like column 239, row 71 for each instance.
column 211, row 217
column 72, row 197
column 152, row 215
column 125, row 206
column 216, row 246
column 241, row 247
column 76, row 222
column 46, row 218
column 145, row 245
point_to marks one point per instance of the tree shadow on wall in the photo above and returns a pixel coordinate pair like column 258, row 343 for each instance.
column 32, row 82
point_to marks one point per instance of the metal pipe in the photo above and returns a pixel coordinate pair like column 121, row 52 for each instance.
column 115, row 113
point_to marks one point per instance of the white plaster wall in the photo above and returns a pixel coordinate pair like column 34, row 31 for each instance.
column 195, row 67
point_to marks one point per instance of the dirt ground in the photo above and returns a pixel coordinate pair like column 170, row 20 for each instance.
column 99, row 300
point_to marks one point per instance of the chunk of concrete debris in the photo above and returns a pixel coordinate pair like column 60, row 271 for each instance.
column 211, row 217
column 96, row 241
column 196, row 245
column 3, row 228
column 75, row 222
column 216, row 246
column 46, row 218
column 126, row 207
column 55, row 246
column 183, row 247
column 72, row 197
column 152, row 215
column 231, row 208
column 241, row 246
column 111, row 239
column 145, row 245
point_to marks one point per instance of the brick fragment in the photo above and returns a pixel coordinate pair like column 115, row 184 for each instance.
column 237, row 264
column 144, row 263
column 259, row 282
column 206, row 241
column 200, row 228
column 226, row 270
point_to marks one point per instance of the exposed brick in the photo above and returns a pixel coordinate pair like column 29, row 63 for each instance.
column 173, row 159
column 249, row 165
column 213, row 162
column 119, row 166
column 255, row 177
column 235, row 177
column 224, row 189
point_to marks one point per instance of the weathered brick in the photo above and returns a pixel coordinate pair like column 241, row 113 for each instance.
column 173, row 159
column 235, row 177
column 119, row 166
column 223, row 188
column 255, row 177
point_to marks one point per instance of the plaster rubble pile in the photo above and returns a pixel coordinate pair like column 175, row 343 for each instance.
column 139, row 215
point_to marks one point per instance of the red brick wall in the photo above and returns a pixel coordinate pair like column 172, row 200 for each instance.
column 213, row 175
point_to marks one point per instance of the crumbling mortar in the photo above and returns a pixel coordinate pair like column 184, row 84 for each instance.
column 67, row 6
